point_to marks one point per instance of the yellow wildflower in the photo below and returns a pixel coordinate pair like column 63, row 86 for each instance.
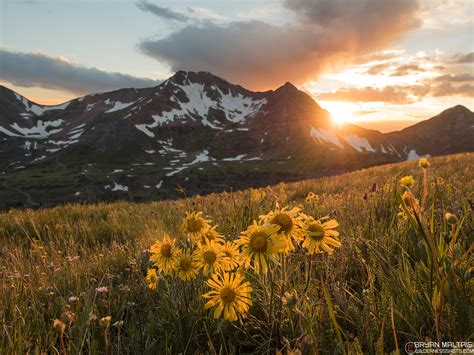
column 185, row 267
column 151, row 279
column 163, row 254
column 210, row 258
column 260, row 244
column 230, row 294
column 194, row 224
column 407, row 181
column 320, row 235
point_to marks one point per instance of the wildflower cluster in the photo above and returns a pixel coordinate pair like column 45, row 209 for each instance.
column 202, row 250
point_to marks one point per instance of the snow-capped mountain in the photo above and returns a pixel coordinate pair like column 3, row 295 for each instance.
column 194, row 130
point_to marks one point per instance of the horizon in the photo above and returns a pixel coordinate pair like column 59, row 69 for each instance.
column 384, row 126
column 394, row 65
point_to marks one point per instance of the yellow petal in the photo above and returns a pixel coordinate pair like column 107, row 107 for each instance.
column 332, row 242
column 218, row 310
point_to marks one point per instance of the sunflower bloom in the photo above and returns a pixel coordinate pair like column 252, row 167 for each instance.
column 194, row 224
column 185, row 267
column 289, row 221
column 231, row 251
column 260, row 244
column 320, row 235
column 210, row 258
column 151, row 279
column 230, row 294
column 163, row 254
column 211, row 235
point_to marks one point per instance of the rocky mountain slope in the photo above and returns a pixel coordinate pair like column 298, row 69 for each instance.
column 194, row 131
column 452, row 131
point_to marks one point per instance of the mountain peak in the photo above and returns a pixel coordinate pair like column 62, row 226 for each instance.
column 181, row 77
column 287, row 87
column 456, row 109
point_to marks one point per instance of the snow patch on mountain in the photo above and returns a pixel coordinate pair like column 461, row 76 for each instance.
column 323, row 135
column 413, row 155
column 359, row 143
column 238, row 157
column 200, row 158
column 116, row 187
column 33, row 109
column 43, row 129
column 120, row 106
column 236, row 108
column 144, row 129
column 239, row 107
column 8, row 133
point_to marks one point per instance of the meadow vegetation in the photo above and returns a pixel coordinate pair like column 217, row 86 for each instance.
column 371, row 260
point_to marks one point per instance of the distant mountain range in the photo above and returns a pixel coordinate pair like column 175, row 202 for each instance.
column 195, row 131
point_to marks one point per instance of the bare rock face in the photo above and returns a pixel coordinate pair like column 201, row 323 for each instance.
column 196, row 131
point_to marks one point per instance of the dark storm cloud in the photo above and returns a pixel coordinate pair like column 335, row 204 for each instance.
column 162, row 11
column 29, row 70
column 260, row 55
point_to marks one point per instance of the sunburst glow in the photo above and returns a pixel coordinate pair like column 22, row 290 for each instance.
column 341, row 112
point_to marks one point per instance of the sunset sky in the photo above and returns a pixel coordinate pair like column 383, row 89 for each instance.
column 382, row 64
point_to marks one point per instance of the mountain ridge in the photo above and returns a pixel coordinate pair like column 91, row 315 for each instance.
column 193, row 130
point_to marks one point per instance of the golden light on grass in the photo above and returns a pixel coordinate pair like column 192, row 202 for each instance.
column 285, row 303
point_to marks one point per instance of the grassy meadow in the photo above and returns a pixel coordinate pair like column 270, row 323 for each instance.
column 73, row 278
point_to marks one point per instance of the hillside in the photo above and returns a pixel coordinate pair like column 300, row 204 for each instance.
column 195, row 131
column 449, row 132
column 373, row 293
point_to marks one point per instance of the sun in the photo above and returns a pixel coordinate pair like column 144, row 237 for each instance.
column 341, row 112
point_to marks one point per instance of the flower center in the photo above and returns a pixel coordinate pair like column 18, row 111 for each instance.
column 194, row 225
column 227, row 295
column 166, row 250
column 258, row 242
column 209, row 257
column 185, row 264
column 284, row 221
column 316, row 231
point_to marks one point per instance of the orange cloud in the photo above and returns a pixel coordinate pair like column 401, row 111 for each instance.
column 388, row 94
column 262, row 56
